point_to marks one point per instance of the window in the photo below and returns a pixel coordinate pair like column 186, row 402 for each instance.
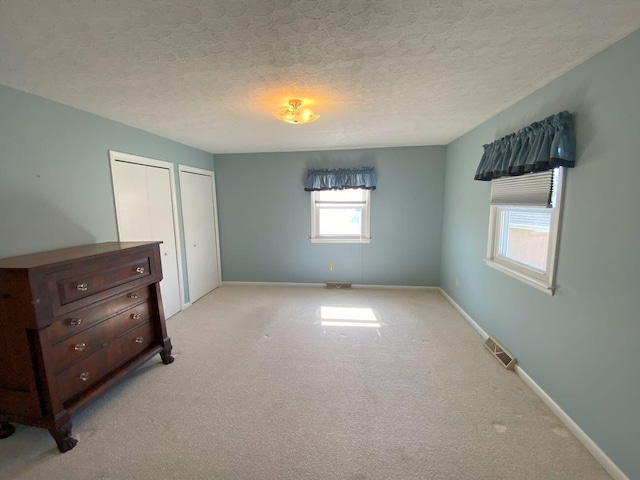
column 524, row 226
column 340, row 216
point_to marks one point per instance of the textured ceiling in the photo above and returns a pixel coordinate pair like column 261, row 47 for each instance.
column 208, row 73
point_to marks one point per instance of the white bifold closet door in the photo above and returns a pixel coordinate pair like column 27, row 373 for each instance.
column 197, row 193
column 144, row 208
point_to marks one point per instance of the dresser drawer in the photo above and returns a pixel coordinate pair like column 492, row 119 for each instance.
column 79, row 320
column 81, row 375
column 73, row 323
column 88, row 283
column 85, row 343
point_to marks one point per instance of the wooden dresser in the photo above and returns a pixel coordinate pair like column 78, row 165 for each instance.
column 73, row 323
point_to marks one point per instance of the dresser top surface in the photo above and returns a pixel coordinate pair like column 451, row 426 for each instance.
column 53, row 257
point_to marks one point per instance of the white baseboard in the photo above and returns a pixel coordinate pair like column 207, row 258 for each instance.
column 396, row 287
column 274, row 284
column 186, row 305
column 563, row 416
column 465, row 315
column 573, row 427
column 290, row 284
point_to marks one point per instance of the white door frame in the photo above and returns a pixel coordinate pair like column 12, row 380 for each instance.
column 115, row 156
column 187, row 169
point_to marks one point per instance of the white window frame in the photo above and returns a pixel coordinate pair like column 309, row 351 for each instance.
column 365, row 205
column 542, row 280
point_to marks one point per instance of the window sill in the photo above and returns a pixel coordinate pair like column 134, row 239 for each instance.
column 523, row 277
column 340, row 240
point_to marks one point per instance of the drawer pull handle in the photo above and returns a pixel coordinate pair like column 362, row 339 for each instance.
column 84, row 376
column 136, row 316
column 133, row 295
column 80, row 346
column 140, row 269
column 139, row 339
column 76, row 322
column 82, row 287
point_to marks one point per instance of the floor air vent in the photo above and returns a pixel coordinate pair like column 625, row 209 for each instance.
column 338, row 284
column 507, row 360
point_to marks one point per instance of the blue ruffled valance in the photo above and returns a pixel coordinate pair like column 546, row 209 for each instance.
column 341, row 178
column 539, row 147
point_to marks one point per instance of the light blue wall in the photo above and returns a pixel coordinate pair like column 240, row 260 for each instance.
column 581, row 345
column 55, row 179
column 264, row 216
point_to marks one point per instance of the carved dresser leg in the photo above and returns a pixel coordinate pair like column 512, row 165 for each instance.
column 166, row 357
column 165, row 354
column 6, row 430
column 62, row 435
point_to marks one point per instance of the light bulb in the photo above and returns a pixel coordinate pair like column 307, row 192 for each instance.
column 294, row 114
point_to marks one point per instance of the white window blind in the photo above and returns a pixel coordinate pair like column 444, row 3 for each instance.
column 340, row 216
column 533, row 190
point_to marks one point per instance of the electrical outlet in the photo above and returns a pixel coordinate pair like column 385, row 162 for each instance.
column 330, row 266
column 456, row 281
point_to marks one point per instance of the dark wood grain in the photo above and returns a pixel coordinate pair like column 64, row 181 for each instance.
column 83, row 374
column 62, row 347
column 67, row 326
column 97, row 278
column 74, row 349
column 62, row 258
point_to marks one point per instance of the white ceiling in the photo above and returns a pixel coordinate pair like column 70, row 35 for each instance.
column 208, row 73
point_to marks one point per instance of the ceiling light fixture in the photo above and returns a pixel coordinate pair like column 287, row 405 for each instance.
column 294, row 114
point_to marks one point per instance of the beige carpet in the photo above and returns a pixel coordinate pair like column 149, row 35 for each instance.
column 260, row 389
